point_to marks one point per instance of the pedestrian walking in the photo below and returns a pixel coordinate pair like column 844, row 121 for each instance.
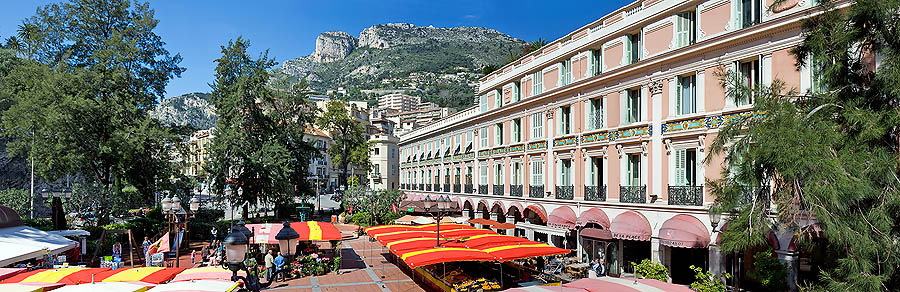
column 279, row 267
column 146, row 249
column 213, row 233
column 270, row 266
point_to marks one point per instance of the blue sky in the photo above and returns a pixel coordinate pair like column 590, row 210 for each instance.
column 197, row 28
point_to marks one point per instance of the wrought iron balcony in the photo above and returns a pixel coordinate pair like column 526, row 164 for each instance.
column 428, row 187
column 595, row 193
column 535, row 191
column 515, row 190
column 565, row 192
column 421, row 186
column 446, row 188
column 756, row 194
column 686, row 195
column 468, row 188
column 482, row 189
column 436, row 187
column 457, row 188
column 633, row 194
column 498, row 190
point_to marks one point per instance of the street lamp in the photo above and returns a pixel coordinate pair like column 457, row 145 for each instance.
column 195, row 204
column 714, row 218
column 166, row 204
column 437, row 208
column 287, row 240
column 236, row 245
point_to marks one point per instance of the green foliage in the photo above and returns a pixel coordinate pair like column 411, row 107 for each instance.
column 17, row 199
column 831, row 151
column 39, row 223
column 369, row 204
column 259, row 147
column 78, row 101
column 707, row 281
column 770, row 272
column 348, row 134
column 648, row 269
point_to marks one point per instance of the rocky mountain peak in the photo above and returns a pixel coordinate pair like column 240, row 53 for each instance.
column 333, row 45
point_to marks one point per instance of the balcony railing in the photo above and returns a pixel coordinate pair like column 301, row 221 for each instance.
column 436, row 187
column 482, row 189
column 498, row 190
column 446, row 188
column 686, row 195
column 595, row 193
column 756, row 194
column 515, row 190
column 565, row 192
column 468, row 188
column 536, row 191
column 457, row 188
column 428, row 188
column 633, row 194
column 421, row 186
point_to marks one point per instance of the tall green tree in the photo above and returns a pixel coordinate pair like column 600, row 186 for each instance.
column 79, row 103
column 259, row 148
column 351, row 146
column 831, row 153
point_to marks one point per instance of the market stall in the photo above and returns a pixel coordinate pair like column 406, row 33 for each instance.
column 198, row 286
column 206, row 273
column 309, row 231
column 107, row 287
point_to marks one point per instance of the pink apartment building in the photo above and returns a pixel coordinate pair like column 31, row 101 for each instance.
column 596, row 142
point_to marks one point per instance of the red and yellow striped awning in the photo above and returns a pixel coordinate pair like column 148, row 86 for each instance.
column 376, row 230
column 419, row 246
column 153, row 275
column 53, row 275
column 309, row 230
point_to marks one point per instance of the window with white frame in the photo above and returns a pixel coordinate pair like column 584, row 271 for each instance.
column 594, row 114
column 498, row 134
column 685, row 167
column 498, row 174
column 595, row 171
column 633, row 169
column 565, row 72
column 484, row 137
column 537, row 126
column 565, row 120
column 566, row 172
column 483, row 175
column 537, row 83
column 516, row 130
column 537, row 173
column 749, row 76
column 633, row 48
column 686, row 95
column 595, row 63
column 516, row 174
column 632, row 106
column 685, row 28
column 747, row 12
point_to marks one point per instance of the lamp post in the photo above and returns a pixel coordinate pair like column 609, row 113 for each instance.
column 287, row 241
column 437, row 208
column 714, row 218
column 236, row 245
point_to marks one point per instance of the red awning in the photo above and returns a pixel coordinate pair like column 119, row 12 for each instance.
column 504, row 226
column 482, row 221
column 309, row 230
column 684, row 231
column 596, row 233
column 593, row 215
column 631, row 225
column 517, row 206
column 441, row 255
column 562, row 217
column 521, row 251
column 539, row 210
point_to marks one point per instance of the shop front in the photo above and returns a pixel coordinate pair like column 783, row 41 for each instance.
column 632, row 230
column 686, row 240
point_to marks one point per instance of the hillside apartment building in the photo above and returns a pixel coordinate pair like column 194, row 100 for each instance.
column 596, row 141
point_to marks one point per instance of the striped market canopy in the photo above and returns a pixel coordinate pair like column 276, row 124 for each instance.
column 206, row 273
column 53, row 275
column 309, row 230
column 107, row 287
column 29, row 287
column 417, row 248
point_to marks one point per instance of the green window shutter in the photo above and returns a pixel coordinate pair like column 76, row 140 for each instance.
column 679, row 96
column 737, row 14
column 680, row 167
column 590, row 71
column 628, row 50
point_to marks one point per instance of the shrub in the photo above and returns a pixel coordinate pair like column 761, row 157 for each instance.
column 650, row 270
column 770, row 272
column 707, row 281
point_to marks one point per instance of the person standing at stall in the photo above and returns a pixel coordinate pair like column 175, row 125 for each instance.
column 279, row 267
column 270, row 265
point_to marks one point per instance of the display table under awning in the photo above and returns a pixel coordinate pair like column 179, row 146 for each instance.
column 309, row 230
